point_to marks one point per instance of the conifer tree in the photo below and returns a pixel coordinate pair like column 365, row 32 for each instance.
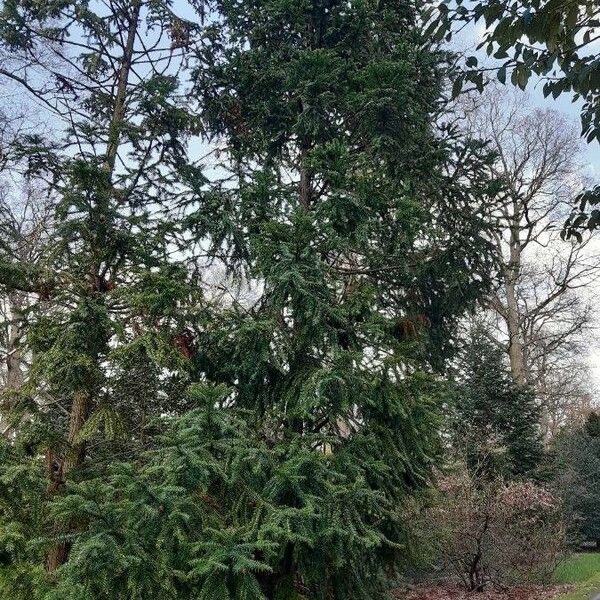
column 496, row 421
column 107, row 294
column 349, row 212
column 577, row 470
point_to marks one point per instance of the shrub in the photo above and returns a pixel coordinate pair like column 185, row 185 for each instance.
column 489, row 531
column 577, row 480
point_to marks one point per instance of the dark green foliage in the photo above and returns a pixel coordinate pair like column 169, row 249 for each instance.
column 582, row 217
column 549, row 40
column 213, row 511
column 592, row 425
column 577, row 470
column 343, row 203
column 496, row 422
column 22, row 523
column 283, row 471
column 108, row 299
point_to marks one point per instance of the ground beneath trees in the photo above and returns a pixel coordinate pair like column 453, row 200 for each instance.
column 447, row 592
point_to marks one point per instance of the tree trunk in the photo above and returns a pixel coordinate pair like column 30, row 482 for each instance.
column 79, row 415
column 58, row 472
column 512, row 272
column 515, row 345
column 14, row 354
column 82, row 399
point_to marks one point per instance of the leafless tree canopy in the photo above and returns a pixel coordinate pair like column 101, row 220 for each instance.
column 540, row 305
column 26, row 216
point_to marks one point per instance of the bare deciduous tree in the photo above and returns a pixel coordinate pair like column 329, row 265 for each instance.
column 538, row 305
column 494, row 532
column 25, row 224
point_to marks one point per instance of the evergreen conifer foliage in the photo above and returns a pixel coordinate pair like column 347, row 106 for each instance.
column 343, row 205
column 316, row 407
column 107, row 299
column 577, row 469
column 496, row 425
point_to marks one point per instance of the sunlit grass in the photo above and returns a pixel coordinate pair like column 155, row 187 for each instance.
column 583, row 570
column 578, row 568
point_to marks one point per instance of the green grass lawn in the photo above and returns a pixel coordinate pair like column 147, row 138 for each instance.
column 582, row 570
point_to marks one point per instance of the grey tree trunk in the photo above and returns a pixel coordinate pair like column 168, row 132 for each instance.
column 512, row 273
column 14, row 356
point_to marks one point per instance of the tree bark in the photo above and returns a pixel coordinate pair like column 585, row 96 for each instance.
column 515, row 345
column 82, row 399
column 512, row 273
column 14, row 354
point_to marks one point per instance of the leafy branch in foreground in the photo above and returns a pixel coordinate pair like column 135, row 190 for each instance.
column 553, row 39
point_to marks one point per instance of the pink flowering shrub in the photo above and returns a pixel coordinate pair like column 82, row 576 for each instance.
column 492, row 531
